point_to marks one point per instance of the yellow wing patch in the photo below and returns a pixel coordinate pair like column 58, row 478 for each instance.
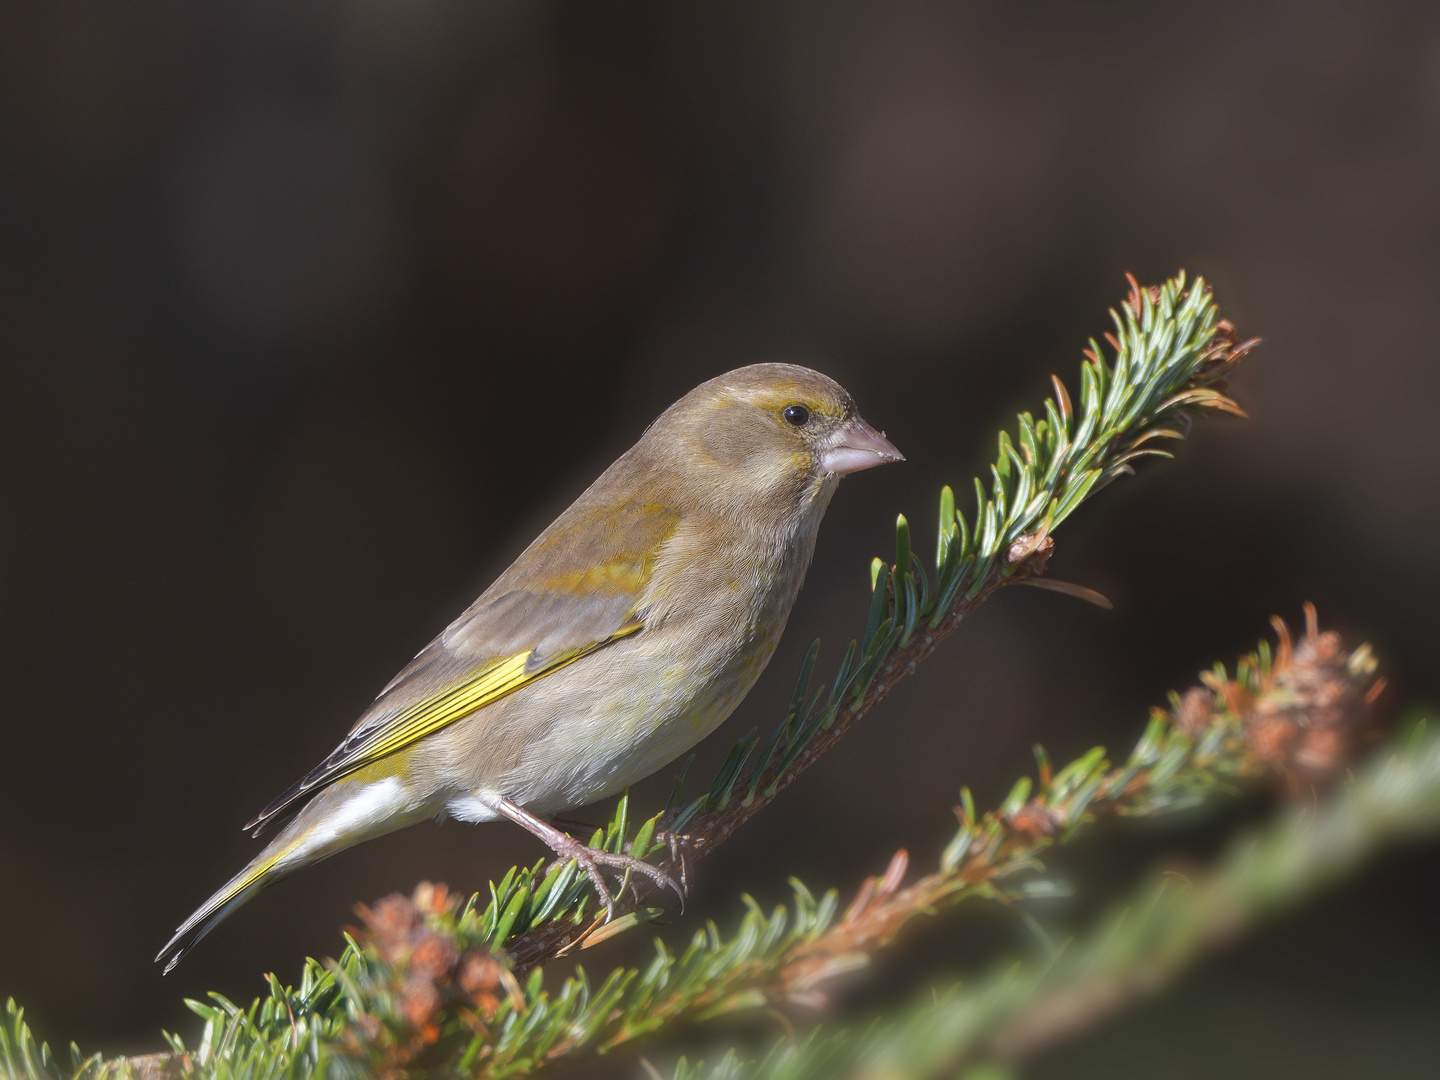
column 429, row 716
column 617, row 577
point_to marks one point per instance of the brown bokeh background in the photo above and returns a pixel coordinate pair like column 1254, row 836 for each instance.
column 312, row 315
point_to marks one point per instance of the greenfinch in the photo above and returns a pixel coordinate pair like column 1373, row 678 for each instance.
column 621, row 637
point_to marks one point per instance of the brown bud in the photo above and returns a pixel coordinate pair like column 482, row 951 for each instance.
column 1196, row 712
column 419, row 1002
column 392, row 923
column 432, row 899
column 1321, row 752
column 1034, row 544
column 479, row 971
column 1271, row 737
column 1035, row 819
column 434, row 957
column 479, row 979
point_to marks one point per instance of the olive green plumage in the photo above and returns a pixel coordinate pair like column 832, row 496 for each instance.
column 625, row 633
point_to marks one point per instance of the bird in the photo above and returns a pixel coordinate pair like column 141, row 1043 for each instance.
column 624, row 634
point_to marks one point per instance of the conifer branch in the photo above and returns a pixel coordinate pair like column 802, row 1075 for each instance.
column 1172, row 354
column 1020, row 1010
column 1216, row 734
column 424, row 990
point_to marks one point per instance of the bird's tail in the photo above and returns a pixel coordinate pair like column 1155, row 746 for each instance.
column 339, row 817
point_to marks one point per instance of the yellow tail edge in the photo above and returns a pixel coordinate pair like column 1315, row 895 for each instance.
column 209, row 915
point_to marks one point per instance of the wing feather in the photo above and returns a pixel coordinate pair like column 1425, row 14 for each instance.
column 579, row 587
column 425, row 717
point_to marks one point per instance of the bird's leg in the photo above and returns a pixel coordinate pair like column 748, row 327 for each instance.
column 589, row 859
column 573, row 824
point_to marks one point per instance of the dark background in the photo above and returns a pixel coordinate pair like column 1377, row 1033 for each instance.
column 312, row 315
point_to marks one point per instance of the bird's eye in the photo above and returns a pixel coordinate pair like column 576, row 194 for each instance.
column 796, row 415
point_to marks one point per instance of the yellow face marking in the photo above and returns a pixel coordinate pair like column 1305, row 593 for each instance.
column 773, row 399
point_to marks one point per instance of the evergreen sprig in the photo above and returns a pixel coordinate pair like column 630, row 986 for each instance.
column 1020, row 1010
column 1172, row 354
column 425, row 990
column 1209, row 738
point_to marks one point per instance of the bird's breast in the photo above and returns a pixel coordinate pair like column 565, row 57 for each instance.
column 628, row 709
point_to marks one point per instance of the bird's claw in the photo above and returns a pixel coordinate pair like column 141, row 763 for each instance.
column 679, row 858
column 591, row 859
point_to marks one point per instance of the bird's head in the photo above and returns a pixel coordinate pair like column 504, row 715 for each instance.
column 772, row 430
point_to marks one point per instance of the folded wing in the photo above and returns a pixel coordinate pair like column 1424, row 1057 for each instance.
column 564, row 598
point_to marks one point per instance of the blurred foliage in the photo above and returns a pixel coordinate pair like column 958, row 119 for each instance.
column 423, row 992
column 1019, row 1010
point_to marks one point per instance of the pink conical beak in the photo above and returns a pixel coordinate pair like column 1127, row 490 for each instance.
column 858, row 446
